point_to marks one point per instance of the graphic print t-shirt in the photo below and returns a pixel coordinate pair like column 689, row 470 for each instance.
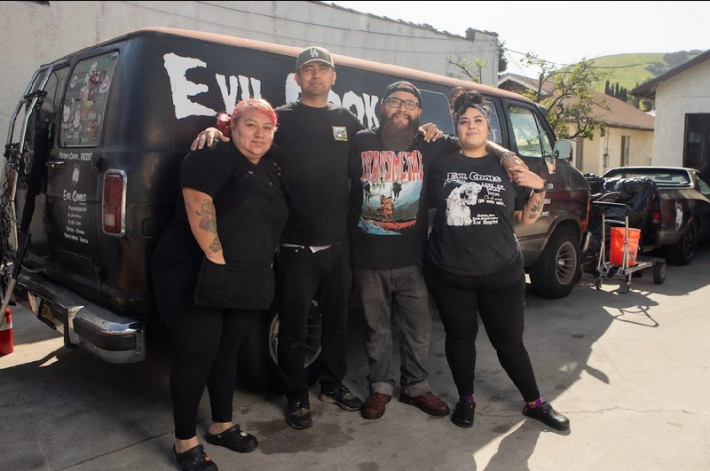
column 473, row 230
column 388, row 212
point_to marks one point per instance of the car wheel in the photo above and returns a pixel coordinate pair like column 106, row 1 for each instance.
column 258, row 355
column 683, row 251
column 557, row 271
column 659, row 273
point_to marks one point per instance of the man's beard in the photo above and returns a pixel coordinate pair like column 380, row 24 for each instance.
column 398, row 136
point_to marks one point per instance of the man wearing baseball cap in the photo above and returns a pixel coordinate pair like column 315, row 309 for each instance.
column 314, row 257
column 388, row 224
column 312, row 151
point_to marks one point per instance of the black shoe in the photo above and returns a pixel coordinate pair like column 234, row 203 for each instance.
column 195, row 459
column 299, row 415
column 548, row 416
column 463, row 413
column 234, row 439
column 342, row 397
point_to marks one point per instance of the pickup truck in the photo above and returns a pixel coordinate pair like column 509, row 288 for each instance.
column 679, row 210
column 94, row 148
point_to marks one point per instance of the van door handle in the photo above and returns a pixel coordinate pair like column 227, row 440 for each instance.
column 54, row 163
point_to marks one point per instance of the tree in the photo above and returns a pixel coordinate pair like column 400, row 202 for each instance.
column 569, row 96
column 502, row 61
column 473, row 71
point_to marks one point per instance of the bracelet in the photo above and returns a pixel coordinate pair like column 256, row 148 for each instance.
column 506, row 155
column 541, row 190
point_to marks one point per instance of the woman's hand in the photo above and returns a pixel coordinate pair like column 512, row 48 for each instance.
column 524, row 177
column 207, row 137
column 217, row 259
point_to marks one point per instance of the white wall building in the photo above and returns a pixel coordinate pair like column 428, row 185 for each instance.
column 682, row 128
column 39, row 32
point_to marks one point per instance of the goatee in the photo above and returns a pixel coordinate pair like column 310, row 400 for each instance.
column 399, row 136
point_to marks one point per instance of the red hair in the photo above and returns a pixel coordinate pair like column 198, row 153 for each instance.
column 224, row 120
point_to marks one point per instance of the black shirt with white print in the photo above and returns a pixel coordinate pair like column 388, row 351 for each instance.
column 473, row 230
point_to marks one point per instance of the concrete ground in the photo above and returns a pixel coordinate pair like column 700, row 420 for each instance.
column 631, row 371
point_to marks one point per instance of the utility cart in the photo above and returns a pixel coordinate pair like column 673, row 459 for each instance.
column 617, row 256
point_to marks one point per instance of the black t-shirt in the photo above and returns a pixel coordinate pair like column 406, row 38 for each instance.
column 249, row 203
column 473, row 230
column 313, row 153
column 388, row 208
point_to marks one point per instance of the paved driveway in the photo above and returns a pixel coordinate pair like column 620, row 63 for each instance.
column 630, row 370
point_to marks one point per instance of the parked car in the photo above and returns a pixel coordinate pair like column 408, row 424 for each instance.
column 679, row 216
column 105, row 129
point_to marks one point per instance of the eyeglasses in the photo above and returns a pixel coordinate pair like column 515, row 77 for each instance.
column 395, row 102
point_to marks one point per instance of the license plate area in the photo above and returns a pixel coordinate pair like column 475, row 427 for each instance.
column 43, row 310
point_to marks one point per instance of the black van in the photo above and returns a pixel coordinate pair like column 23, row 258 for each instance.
column 99, row 136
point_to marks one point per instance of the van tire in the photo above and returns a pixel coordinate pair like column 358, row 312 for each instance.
column 558, row 269
column 683, row 251
column 257, row 365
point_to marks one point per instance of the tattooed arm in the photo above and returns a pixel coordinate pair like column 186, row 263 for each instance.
column 533, row 206
column 203, row 221
column 511, row 163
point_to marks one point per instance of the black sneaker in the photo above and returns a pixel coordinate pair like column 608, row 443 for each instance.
column 342, row 397
column 548, row 416
column 463, row 413
column 299, row 415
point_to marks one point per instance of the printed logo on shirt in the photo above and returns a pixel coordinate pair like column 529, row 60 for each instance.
column 391, row 188
column 470, row 191
column 340, row 133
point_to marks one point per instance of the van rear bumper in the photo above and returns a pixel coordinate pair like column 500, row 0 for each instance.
column 111, row 337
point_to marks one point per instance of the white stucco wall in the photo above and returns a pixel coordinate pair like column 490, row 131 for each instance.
column 687, row 92
column 35, row 34
column 640, row 149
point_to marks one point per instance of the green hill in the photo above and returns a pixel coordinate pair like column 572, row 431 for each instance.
column 634, row 69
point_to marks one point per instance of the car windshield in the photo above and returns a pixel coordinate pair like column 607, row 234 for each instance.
column 660, row 176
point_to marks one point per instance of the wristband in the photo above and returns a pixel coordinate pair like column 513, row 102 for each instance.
column 543, row 189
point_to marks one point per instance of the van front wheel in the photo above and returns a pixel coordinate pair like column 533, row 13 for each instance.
column 558, row 269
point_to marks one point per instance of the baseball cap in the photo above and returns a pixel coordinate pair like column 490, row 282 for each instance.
column 312, row 54
column 403, row 86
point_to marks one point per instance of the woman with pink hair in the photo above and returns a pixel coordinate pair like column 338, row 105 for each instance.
column 212, row 273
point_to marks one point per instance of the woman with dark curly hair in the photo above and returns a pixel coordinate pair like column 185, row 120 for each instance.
column 474, row 263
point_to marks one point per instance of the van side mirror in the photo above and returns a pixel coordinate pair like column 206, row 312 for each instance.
column 563, row 149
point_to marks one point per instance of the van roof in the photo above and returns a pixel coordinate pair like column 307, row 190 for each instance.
column 341, row 60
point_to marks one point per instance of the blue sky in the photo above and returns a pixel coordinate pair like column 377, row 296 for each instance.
column 563, row 32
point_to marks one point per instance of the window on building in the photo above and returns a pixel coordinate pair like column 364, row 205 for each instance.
column 625, row 140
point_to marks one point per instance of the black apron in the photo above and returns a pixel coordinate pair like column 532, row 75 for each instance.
column 249, row 232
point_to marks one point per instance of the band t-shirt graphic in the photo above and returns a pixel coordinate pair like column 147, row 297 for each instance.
column 388, row 216
column 391, row 186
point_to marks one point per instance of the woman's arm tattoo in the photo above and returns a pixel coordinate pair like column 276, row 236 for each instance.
column 216, row 245
column 208, row 221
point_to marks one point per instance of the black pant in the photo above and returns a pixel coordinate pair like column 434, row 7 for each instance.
column 205, row 344
column 500, row 300
column 301, row 276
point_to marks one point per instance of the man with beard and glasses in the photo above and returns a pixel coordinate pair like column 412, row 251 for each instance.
column 388, row 230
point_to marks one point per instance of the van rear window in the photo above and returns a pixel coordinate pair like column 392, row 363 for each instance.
column 85, row 101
